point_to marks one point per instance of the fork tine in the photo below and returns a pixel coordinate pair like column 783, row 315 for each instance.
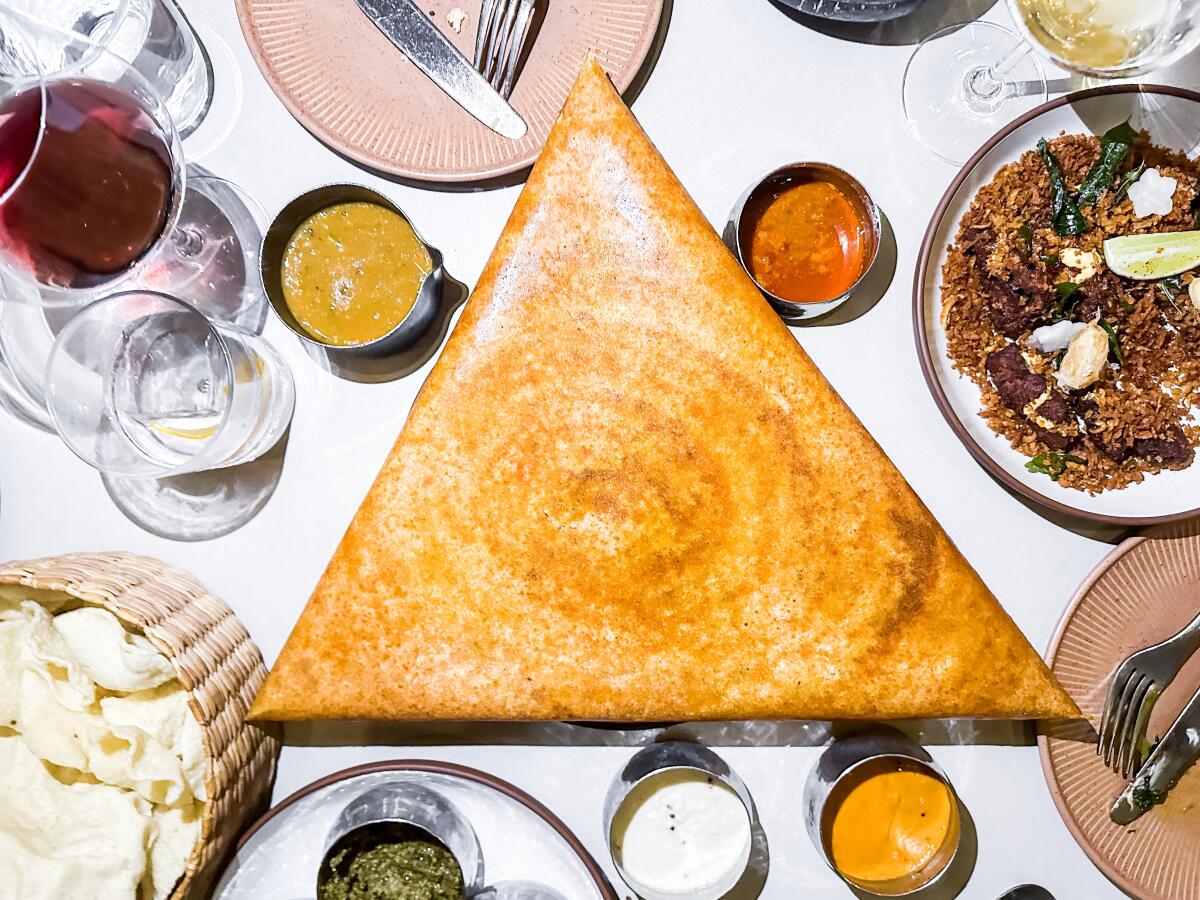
column 520, row 33
column 1128, row 738
column 490, row 30
column 501, row 44
column 483, row 31
column 1115, row 708
column 1140, row 722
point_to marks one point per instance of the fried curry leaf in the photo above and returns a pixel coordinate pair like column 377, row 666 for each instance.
column 1114, row 343
column 1066, row 217
column 1114, row 146
column 1130, row 177
column 1050, row 258
column 1064, row 291
column 1026, row 234
column 1052, row 463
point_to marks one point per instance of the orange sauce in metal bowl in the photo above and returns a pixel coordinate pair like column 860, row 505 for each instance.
column 889, row 824
column 808, row 241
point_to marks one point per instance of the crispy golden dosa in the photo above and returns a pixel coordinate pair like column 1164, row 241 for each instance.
column 626, row 493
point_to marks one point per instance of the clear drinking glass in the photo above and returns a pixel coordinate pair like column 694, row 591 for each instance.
column 964, row 82
column 154, row 36
column 142, row 384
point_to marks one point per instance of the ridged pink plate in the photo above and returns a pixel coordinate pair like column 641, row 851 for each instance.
column 1144, row 591
column 346, row 83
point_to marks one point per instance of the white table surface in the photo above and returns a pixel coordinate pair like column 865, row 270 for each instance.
column 738, row 89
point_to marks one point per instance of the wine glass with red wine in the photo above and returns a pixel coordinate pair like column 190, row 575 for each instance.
column 91, row 168
column 94, row 191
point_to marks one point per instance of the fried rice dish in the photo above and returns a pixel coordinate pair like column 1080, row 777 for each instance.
column 1093, row 374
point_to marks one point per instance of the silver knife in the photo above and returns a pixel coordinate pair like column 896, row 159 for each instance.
column 1173, row 756
column 431, row 51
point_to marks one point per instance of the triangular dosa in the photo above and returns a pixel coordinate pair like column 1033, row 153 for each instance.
column 626, row 493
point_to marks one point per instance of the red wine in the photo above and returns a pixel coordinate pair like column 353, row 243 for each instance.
column 93, row 196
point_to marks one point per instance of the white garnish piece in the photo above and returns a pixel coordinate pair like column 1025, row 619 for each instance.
column 1052, row 338
column 1194, row 293
column 456, row 17
column 1087, row 262
column 1086, row 357
column 1151, row 194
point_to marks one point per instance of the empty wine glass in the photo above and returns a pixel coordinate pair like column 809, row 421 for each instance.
column 964, row 82
column 154, row 36
column 142, row 384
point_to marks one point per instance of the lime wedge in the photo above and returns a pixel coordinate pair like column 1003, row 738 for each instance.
column 1149, row 257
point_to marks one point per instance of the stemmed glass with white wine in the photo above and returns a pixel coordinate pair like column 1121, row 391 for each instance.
column 964, row 82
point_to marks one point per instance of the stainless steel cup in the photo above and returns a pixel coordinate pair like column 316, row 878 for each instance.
column 654, row 760
column 275, row 241
column 838, row 766
column 413, row 804
column 854, row 192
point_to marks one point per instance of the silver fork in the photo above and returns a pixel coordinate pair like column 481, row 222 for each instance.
column 500, row 40
column 1135, row 688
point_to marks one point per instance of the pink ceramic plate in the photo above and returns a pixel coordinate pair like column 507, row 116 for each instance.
column 1144, row 591
column 345, row 82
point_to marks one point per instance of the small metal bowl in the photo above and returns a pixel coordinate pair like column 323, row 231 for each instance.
column 854, row 192
column 274, row 245
column 652, row 761
column 842, row 762
column 405, row 802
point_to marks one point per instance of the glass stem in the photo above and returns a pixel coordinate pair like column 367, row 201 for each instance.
column 985, row 88
column 188, row 242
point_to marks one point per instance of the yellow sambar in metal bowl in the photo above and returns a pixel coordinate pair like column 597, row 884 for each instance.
column 351, row 272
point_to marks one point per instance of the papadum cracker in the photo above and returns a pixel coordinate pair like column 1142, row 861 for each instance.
column 102, row 764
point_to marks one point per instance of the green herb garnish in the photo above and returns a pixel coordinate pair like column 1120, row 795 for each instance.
column 1050, row 258
column 1145, row 796
column 1026, row 234
column 1052, row 463
column 1114, row 343
column 1067, row 219
column 1063, row 304
column 1128, row 181
column 1114, row 145
column 1058, row 360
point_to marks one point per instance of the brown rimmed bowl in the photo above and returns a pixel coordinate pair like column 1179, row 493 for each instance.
column 1172, row 117
column 1142, row 592
column 275, row 825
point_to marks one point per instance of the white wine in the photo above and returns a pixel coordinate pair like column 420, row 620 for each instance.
column 1097, row 34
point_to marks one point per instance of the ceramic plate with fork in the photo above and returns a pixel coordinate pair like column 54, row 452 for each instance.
column 1145, row 591
column 347, row 84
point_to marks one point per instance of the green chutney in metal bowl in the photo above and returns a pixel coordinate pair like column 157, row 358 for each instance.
column 390, row 861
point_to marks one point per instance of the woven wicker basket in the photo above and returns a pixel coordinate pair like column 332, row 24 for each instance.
column 218, row 665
